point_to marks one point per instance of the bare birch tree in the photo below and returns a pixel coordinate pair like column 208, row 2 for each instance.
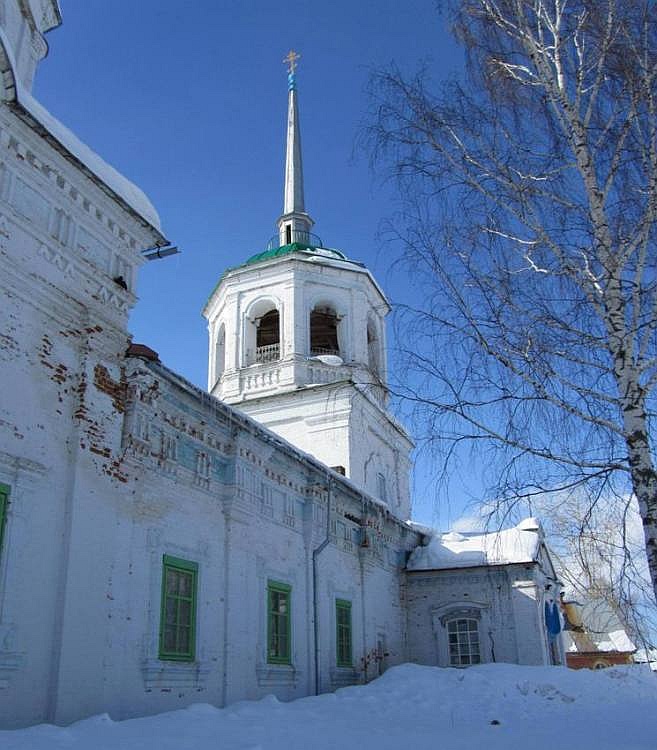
column 529, row 222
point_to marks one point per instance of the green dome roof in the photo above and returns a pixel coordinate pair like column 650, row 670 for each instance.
column 277, row 252
column 294, row 247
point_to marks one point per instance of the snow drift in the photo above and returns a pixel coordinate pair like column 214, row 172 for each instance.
column 495, row 706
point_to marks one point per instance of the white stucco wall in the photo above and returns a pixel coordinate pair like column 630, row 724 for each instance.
column 113, row 462
column 293, row 284
column 254, row 513
column 22, row 29
column 63, row 323
column 508, row 599
column 102, row 457
column 335, row 412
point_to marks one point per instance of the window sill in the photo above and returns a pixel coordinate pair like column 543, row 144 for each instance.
column 271, row 675
column 167, row 675
column 343, row 677
column 175, row 658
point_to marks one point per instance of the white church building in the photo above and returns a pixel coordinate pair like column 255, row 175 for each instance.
column 161, row 545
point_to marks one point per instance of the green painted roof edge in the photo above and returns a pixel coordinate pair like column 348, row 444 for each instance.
column 277, row 252
column 293, row 247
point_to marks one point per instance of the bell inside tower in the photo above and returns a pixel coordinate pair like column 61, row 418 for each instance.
column 268, row 337
column 324, row 331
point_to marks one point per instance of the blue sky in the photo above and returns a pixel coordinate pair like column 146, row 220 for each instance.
column 189, row 101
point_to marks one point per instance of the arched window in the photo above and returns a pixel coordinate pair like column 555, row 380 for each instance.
column 373, row 350
column 463, row 638
column 220, row 353
column 268, row 337
column 262, row 333
column 459, row 627
column 324, row 331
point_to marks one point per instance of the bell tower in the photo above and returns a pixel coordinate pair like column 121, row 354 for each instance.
column 297, row 342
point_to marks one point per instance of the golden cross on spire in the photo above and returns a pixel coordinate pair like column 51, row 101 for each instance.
column 291, row 60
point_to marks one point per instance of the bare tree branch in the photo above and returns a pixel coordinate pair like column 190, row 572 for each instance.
column 529, row 225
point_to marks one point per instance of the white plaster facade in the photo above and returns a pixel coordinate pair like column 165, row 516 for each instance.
column 110, row 463
column 22, row 30
column 507, row 601
column 332, row 407
column 319, row 376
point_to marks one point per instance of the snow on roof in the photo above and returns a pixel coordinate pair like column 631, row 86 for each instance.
column 601, row 629
column 117, row 183
column 617, row 640
column 520, row 544
column 647, row 656
column 587, row 642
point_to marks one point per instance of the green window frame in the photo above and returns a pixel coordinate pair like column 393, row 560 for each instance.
column 279, row 630
column 178, row 609
column 4, row 502
column 343, row 633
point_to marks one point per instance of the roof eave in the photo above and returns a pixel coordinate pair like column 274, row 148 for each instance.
column 39, row 128
column 297, row 256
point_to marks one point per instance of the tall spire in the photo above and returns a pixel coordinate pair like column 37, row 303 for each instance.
column 294, row 224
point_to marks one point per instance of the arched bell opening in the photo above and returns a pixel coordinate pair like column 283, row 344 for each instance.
column 324, row 331
column 7, row 76
column 220, row 353
column 373, row 350
column 268, row 337
column 261, row 339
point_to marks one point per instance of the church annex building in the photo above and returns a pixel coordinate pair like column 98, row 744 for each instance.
column 161, row 545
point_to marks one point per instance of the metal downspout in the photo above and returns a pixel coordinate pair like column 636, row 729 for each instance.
column 316, row 553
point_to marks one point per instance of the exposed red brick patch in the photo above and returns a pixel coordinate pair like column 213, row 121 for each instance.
column 588, row 660
column 104, row 452
column 114, row 470
column 60, row 374
column 81, row 410
column 116, row 390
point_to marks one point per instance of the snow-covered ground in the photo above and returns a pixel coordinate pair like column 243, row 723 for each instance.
column 495, row 706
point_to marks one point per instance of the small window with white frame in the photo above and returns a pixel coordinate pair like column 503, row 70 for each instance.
column 463, row 637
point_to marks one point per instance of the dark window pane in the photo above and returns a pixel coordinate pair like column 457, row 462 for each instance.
column 170, row 639
column 172, row 582
column 278, row 647
column 170, row 611
column 183, row 640
column 185, row 584
column 268, row 332
column 177, row 614
column 323, row 332
column 185, row 612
